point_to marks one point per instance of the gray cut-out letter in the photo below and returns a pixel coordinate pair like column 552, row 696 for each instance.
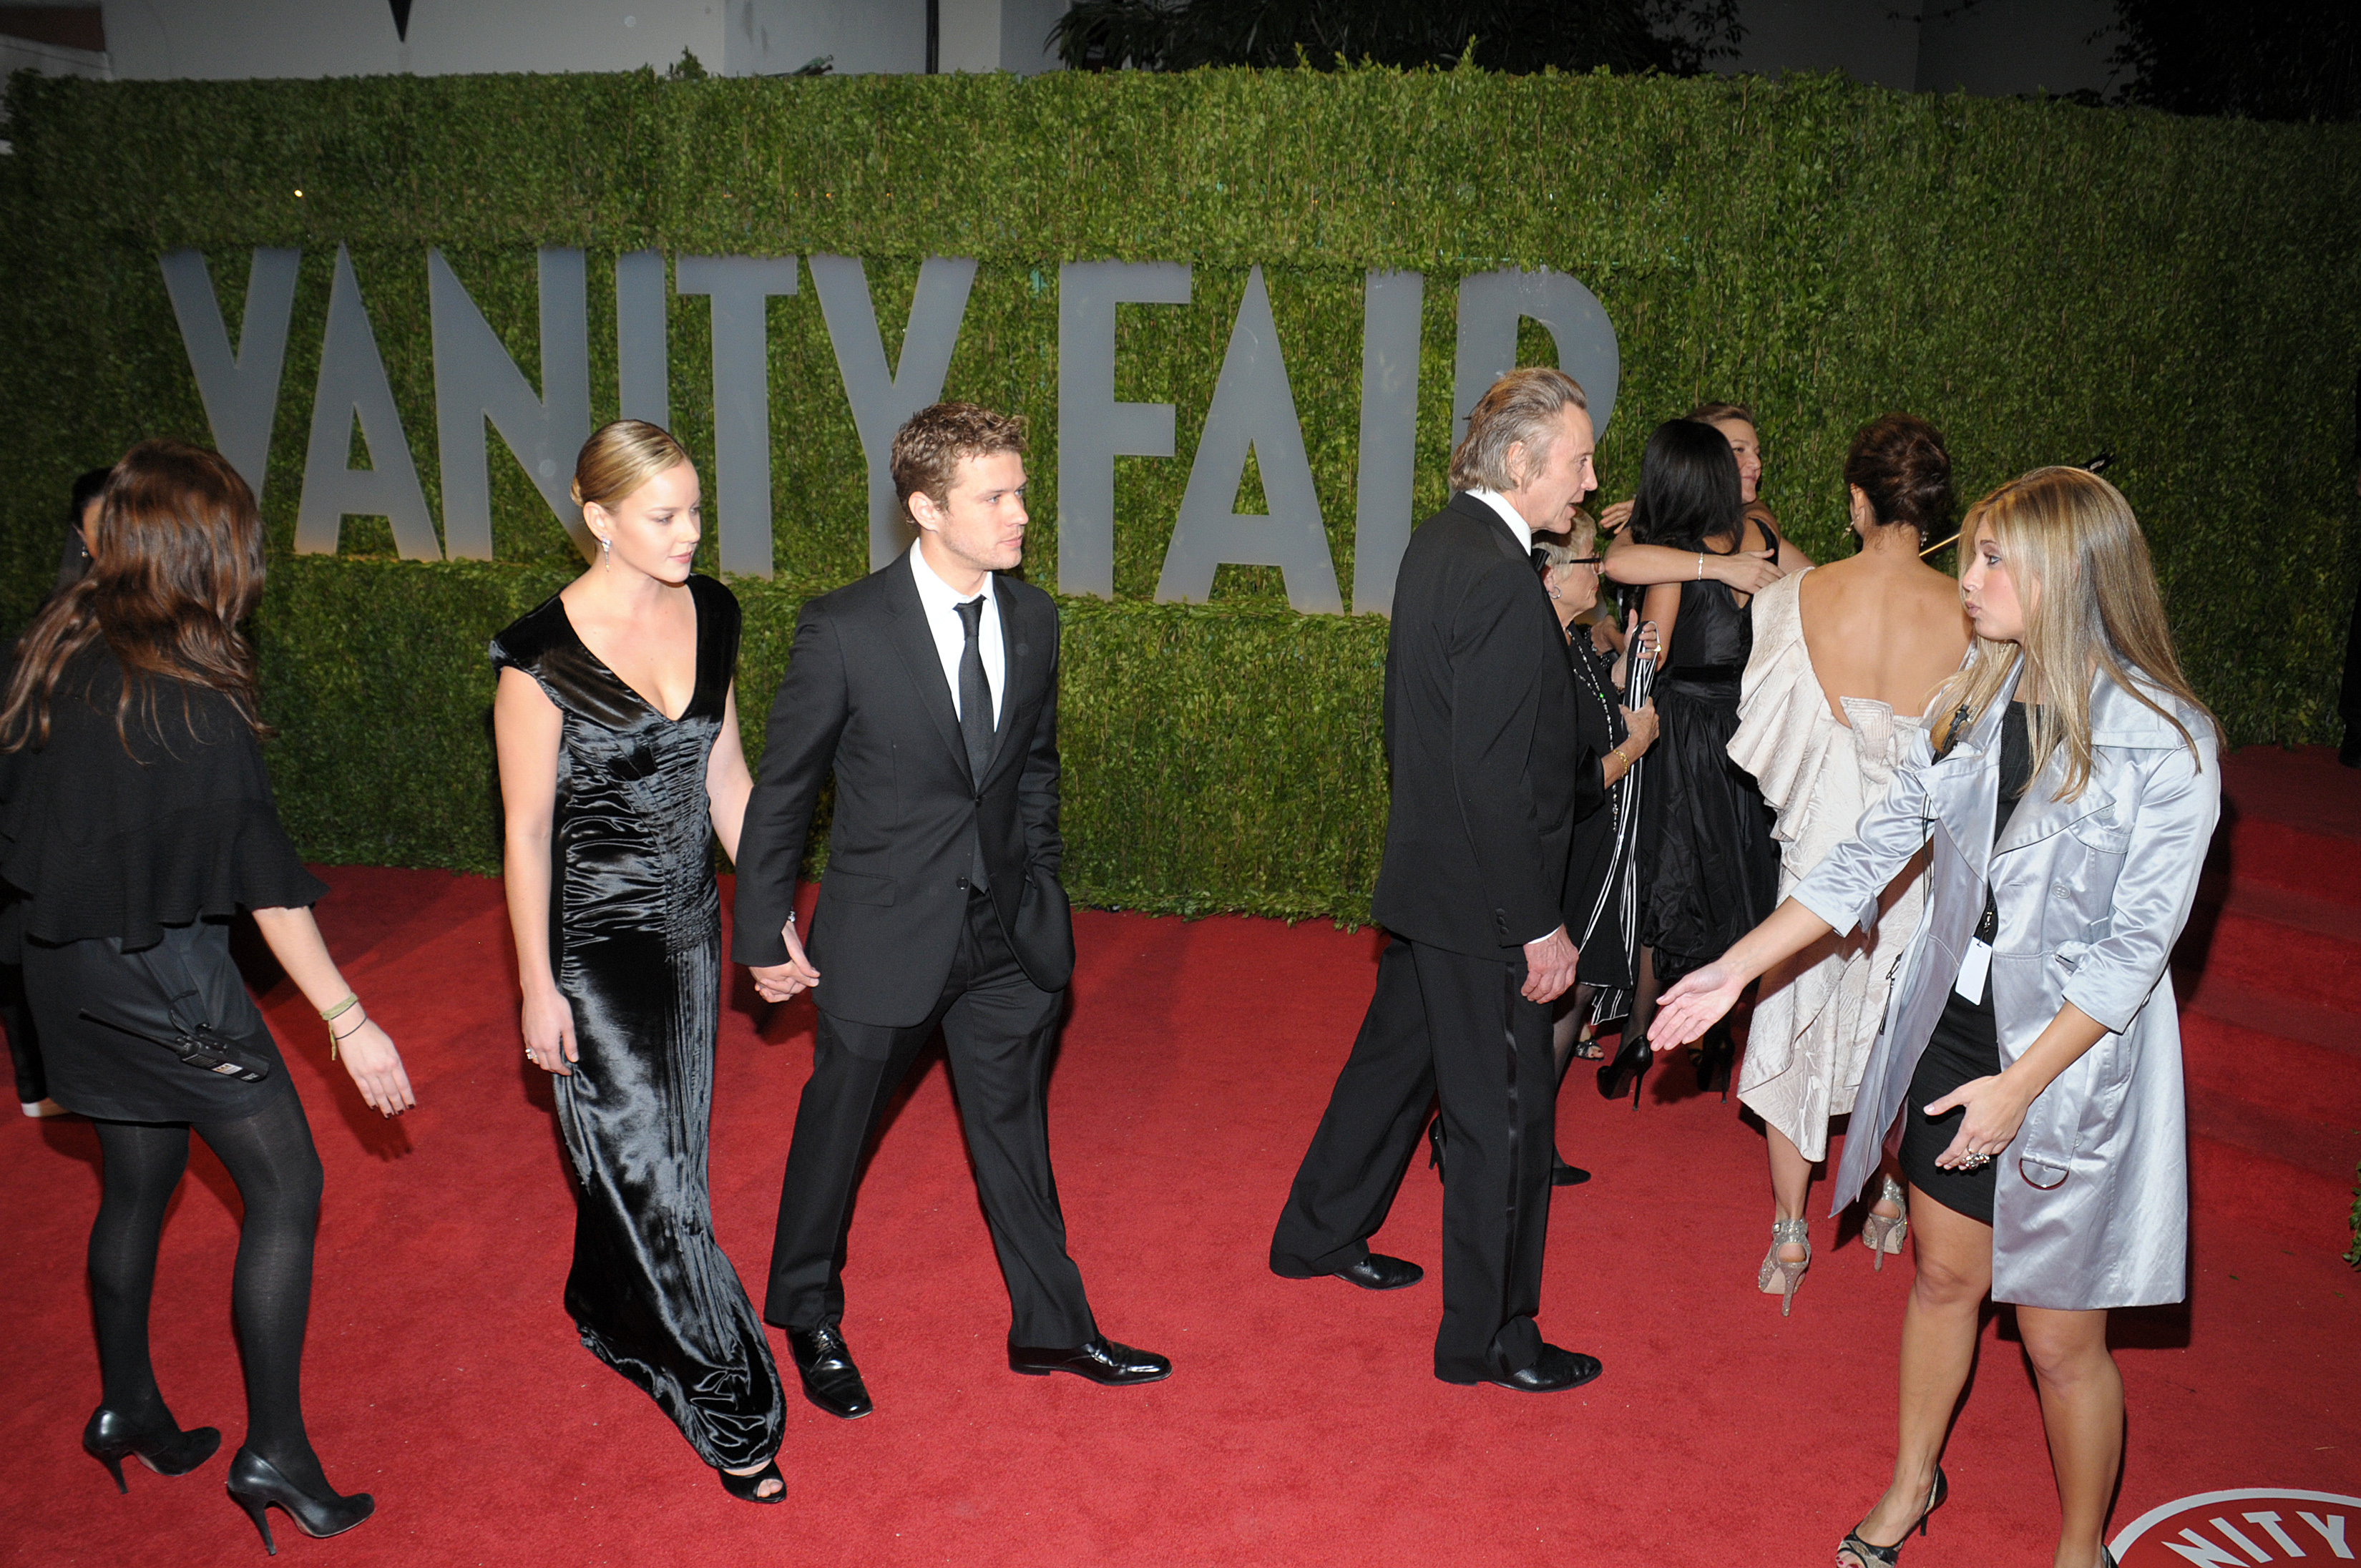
column 742, row 287
column 642, row 361
column 1254, row 410
column 353, row 383
column 1093, row 429
column 1381, row 523
column 475, row 380
column 1489, row 306
column 881, row 400
column 240, row 390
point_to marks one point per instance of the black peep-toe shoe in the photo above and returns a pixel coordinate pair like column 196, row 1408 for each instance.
column 748, row 1487
column 162, row 1446
column 1868, row 1556
column 256, row 1484
column 1630, row 1069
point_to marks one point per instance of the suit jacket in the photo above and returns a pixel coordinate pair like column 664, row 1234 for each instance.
column 2092, row 1209
column 1484, row 738
column 865, row 698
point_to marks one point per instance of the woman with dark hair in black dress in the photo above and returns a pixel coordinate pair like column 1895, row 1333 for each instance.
column 135, row 820
column 1708, row 866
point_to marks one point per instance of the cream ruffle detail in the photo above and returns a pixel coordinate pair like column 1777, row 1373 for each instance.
column 1819, row 1013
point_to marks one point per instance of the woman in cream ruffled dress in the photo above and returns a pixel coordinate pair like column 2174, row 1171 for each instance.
column 1845, row 659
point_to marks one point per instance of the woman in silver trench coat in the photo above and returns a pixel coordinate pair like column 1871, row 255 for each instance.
column 2071, row 909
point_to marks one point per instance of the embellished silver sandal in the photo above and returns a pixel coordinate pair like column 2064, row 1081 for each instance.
column 1883, row 1234
column 1780, row 1276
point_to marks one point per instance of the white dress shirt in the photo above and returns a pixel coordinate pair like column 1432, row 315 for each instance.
column 1510, row 515
column 942, row 605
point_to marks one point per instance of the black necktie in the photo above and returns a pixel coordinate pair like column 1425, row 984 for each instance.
column 975, row 716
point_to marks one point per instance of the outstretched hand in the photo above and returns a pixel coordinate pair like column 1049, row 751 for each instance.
column 1694, row 1005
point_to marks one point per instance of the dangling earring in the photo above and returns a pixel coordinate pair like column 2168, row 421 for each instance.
column 606, row 552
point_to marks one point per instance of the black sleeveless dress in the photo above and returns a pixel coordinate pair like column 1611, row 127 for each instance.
column 1708, row 866
column 635, row 939
column 125, row 854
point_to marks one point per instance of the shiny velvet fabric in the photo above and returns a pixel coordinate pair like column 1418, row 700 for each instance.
column 635, row 937
column 1708, row 866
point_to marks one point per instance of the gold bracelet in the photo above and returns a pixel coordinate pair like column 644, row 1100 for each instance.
column 1627, row 761
column 350, row 999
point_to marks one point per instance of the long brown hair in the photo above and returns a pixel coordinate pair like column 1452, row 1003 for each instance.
column 176, row 563
column 2082, row 574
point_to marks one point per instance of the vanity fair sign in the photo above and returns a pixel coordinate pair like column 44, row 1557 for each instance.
column 2233, row 1529
column 477, row 385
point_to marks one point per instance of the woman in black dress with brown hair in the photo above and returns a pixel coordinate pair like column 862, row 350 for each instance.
column 135, row 820
column 617, row 722
column 1708, row 866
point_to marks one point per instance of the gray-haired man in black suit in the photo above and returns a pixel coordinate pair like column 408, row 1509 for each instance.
column 1489, row 779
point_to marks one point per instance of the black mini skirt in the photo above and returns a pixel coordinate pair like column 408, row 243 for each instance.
column 1964, row 1046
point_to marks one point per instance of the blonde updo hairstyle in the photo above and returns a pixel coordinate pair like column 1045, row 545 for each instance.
column 621, row 457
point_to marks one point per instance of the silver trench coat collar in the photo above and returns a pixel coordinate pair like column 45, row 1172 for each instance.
column 2092, row 1207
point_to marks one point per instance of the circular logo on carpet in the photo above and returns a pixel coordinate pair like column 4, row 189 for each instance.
column 2235, row 1529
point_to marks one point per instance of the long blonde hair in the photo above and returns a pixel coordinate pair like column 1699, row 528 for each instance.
column 2082, row 574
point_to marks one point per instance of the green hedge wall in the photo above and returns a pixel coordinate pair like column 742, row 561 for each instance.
column 2040, row 280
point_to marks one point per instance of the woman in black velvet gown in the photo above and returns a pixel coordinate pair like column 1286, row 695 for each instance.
column 617, row 721
column 1708, row 866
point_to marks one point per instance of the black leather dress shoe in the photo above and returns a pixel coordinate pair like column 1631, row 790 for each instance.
column 1100, row 1359
column 830, row 1380
column 1375, row 1271
column 1565, row 1174
column 1553, row 1372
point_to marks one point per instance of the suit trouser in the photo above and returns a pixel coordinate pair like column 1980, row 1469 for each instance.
column 1442, row 1025
column 998, row 1030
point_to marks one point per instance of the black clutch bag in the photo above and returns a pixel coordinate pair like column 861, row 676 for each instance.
column 203, row 1048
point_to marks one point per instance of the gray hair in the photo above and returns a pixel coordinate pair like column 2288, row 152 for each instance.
column 1522, row 406
column 1576, row 542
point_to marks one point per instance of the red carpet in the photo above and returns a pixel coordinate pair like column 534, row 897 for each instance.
column 1301, row 1424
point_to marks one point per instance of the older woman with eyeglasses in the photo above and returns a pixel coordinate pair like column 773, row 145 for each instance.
column 1618, row 736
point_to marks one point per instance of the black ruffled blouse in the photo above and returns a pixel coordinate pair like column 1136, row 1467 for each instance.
column 99, row 837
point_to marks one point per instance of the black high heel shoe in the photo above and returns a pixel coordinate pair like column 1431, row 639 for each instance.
column 254, row 1484
column 1714, row 1058
column 1633, row 1057
column 1868, row 1556
column 1434, row 1147
column 748, row 1487
column 164, row 1448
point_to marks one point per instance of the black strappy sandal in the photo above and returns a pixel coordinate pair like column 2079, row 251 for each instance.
column 1866, row 1556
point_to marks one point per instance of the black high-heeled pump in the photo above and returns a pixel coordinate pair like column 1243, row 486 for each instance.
column 1715, row 1056
column 254, row 1484
column 1633, row 1057
column 1868, row 1556
column 164, row 1448
column 748, row 1487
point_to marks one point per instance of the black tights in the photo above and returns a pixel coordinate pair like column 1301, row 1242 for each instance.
column 269, row 1155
